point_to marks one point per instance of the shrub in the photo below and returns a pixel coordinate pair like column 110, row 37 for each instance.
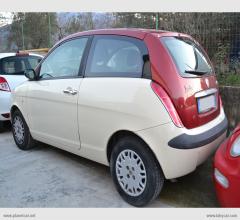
column 230, row 79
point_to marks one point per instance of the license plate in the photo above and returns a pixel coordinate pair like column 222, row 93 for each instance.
column 206, row 103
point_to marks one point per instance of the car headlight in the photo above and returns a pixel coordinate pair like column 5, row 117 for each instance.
column 221, row 178
column 235, row 149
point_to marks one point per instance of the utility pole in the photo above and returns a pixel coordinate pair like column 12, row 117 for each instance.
column 23, row 44
column 49, row 30
column 22, row 30
column 157, row 20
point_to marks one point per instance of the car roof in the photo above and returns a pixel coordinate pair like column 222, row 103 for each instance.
column 3, row 55
column 130, row 32
column 133, row 32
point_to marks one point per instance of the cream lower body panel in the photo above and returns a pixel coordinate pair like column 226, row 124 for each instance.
column 89, row 152
column 176, row 162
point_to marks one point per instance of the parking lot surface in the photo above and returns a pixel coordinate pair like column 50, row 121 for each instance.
column 50, row 177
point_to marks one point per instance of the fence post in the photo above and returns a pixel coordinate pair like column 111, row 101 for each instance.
column 49, row 29
column 157, row 20
column 22, row 30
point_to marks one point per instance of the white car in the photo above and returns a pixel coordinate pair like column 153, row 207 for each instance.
column 144, row 102
column 12, row 66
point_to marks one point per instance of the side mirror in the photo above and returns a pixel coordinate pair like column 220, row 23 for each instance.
column 30, row 74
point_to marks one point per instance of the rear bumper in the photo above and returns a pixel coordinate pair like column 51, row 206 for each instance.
column 177, row 162
column 5, row 100
column 186, row 141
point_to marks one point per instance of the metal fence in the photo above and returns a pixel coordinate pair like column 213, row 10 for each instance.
column 218, row 33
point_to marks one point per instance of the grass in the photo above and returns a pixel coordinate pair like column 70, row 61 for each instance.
column 229, row 79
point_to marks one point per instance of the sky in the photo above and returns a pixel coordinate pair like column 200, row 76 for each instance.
column 5, row 18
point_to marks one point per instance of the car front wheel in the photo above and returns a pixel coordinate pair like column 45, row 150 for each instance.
column 21, row 133
column 135, row 171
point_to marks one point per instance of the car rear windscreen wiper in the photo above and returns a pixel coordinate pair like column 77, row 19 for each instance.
column 196, row 72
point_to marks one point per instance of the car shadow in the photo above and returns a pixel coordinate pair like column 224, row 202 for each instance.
column 193, row 190
column 6, row 127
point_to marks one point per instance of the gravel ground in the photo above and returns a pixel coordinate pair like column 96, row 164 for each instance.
column 50, row 177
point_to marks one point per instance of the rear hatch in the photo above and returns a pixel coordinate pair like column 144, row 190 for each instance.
column 12, row 68
column 194, row 91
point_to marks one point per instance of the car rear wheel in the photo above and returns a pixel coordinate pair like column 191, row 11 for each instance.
column 21, row 133
column 135, row 171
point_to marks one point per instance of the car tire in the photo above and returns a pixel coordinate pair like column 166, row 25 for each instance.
column 21, row 133
column 135, row 171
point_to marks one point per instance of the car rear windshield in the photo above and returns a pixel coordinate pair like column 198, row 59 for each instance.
column 189, row 58
column 16, row 65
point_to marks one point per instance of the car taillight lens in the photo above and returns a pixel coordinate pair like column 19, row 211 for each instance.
column 6, row 115
column 22, row 54
column 4, row 85
column 167, row 102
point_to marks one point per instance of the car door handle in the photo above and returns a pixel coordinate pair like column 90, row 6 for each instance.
column 70, row 91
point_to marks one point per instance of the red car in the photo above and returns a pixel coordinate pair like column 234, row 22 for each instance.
column 227, row 171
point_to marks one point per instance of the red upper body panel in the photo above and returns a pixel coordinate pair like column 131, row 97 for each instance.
column 181, row 90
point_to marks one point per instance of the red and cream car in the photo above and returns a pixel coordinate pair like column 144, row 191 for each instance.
column 144, row 102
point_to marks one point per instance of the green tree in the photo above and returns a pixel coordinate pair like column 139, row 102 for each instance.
column 76, row 23
column 134, row 20
column 33, row 30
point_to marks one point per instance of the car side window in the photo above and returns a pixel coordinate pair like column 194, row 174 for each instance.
column 16, row 65
column 116, row 56
column 65, row 60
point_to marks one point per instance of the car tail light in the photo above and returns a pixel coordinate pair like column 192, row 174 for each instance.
column 6, row 115
column 167, row 102
column 4, row 85
column 20, row 53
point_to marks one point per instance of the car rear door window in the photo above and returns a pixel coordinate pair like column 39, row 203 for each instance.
column 16, row 65
column 65, row 60
column 188, row 56
column 116, row 56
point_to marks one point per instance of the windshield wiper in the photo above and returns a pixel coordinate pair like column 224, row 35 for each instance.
column 196, row 72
